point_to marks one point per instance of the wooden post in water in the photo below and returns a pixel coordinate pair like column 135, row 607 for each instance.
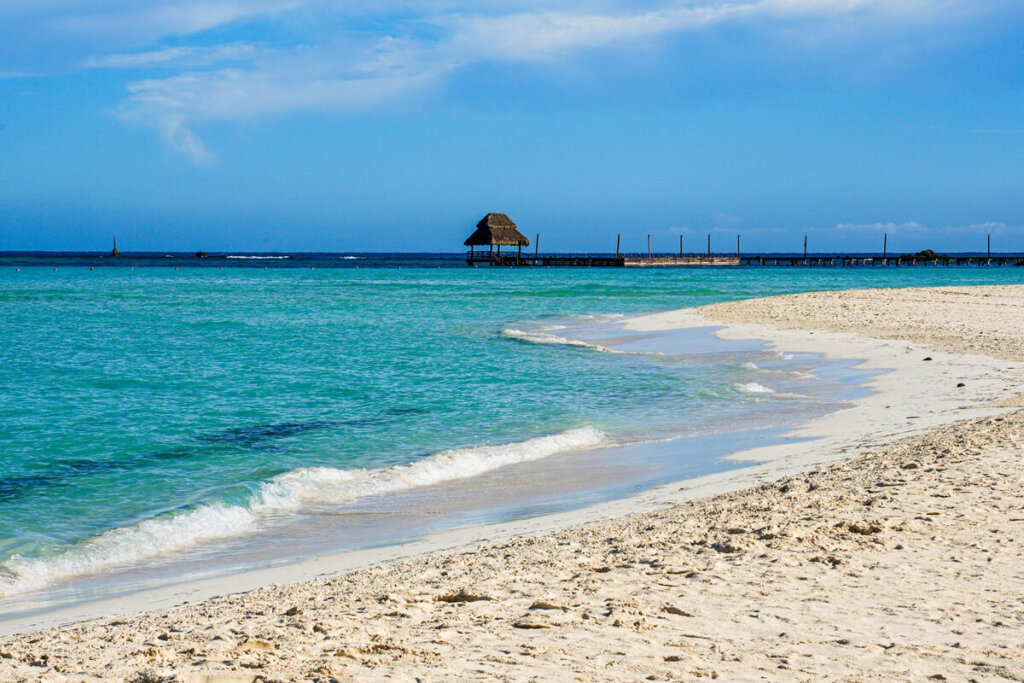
column 709, row 245
column 990, row 249
column 680, row 245
column 805, row 250
column 648, row 246
column 536, row 246
column 885, row 247
column 737, row 246
column 519, row 256
column 618, row 243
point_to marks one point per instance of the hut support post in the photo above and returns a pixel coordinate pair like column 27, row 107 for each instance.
column 648, row 246
column 737, row 246
column 805, row 250
column 618, row 243
column 519, row 256
column 536, row 246
column 680, row 246
column 709, row 246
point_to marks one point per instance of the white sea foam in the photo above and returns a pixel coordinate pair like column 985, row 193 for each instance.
column 126, row 545
column 260, row 258
column 538, row 337
column 307, row 485
column 750, row 366
column 752, row 388
column 543, row 336
column 352, row 258
column 285, row 492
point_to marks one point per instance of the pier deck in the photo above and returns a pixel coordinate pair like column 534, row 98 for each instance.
column 722, row 260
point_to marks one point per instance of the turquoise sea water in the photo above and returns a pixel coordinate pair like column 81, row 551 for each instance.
column 151, row 412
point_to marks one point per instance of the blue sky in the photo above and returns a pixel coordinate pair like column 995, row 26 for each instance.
column 378, row 126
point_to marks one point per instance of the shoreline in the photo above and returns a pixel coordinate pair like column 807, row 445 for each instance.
column 906, row 403
column 415, row 517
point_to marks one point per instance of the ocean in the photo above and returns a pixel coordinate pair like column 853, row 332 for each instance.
column 163, row 416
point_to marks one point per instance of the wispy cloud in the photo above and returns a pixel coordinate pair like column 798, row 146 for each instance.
column 181, row 139
column 907, row 226
column 432, row 40
column 14, row 75
column 176, row 57
column 126, row 22
column 914, row 228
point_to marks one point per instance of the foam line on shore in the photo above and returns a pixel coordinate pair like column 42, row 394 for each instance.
column 539, row 337
column 543, row 336
column 287, row 492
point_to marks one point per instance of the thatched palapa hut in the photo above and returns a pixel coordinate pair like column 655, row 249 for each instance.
column 496, row 229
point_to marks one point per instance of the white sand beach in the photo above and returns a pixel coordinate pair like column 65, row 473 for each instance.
column 889, row 546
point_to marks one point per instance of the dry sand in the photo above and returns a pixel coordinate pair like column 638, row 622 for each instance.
column 903, row 560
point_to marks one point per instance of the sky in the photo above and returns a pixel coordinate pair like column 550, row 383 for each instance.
column 317, row 125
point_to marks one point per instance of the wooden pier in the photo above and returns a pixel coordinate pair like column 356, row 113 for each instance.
column 721, row 260
column 600, row 260
column 498, row 230
column 841, row 261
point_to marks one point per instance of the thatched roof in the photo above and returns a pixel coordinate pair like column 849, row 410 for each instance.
column 497, row 228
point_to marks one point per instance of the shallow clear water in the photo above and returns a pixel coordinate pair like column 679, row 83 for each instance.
column 151, row 412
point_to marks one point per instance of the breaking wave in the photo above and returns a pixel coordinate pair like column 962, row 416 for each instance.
column 752, row 388
column 544, row 336
column 539, row 337
column 289, row 491
column 260, row 258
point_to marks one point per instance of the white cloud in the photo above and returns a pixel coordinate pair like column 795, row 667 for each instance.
column 541, row 35
column 176, row 57
column 303, row 83
column 181, row 139
column 908, row 226
column 993, row 226
column 913, row 228
column 441, row 37
column 131, row 22
column 14, row 75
